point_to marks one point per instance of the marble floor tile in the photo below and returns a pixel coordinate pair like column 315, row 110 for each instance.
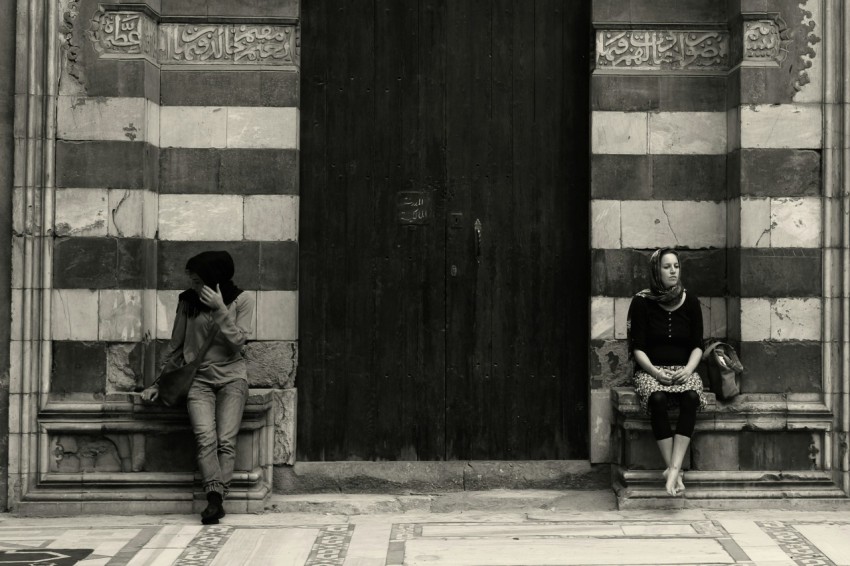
column 832, row 540
column 267, row 547
column 502, row 531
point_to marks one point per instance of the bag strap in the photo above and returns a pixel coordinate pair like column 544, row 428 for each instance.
column 711, row 348
column 201, row 353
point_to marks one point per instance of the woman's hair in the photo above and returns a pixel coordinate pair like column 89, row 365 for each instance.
column 216, row 269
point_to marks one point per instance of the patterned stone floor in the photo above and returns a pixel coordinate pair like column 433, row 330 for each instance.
column 651, row 538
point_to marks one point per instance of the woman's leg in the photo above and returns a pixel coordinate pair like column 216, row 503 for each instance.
column 657, row 404
column 688, row 405
column 202, row 408
column 230, row 403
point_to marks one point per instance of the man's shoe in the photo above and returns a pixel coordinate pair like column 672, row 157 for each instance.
column 214, row 510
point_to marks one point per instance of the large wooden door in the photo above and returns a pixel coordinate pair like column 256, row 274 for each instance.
column 444, row 230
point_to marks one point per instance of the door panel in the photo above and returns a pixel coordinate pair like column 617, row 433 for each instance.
column 424, row 341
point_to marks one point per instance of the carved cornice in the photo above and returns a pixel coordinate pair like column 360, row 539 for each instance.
column 129, row 35
column 663, row 49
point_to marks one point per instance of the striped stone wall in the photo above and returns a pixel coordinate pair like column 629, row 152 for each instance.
column 706, row 136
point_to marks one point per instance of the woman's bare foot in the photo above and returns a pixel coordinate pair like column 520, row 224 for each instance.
column 673, row 480
column 680, row 485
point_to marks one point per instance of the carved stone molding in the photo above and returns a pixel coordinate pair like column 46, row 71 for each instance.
column 765, row 41
column 125, row 34
column 662, row 50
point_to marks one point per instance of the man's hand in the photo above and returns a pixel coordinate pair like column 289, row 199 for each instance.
column 213, row 299
column 150, row 394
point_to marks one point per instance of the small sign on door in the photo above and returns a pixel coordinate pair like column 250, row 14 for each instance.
column 413, row 207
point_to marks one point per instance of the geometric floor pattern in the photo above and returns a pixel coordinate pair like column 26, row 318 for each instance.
column 396, row 541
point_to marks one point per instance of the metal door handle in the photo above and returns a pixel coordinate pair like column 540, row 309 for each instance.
column 478, row 240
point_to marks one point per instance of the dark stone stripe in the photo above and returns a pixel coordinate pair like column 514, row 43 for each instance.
column 657, row 177
column 122, row 78
column 780, row 172
column 781, row 367
column 229, row 171
column 112, row 164
column 635, row 93
column 267, row 266
column 288, row 9
column 775, row 450
column 621, row 273
column 230, row 88
column 104, row 263
column 78, row 367
column 775, row 272
column 659, row 11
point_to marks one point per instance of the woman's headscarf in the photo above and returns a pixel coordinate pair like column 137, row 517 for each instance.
column 657, row 292
column 214, row 268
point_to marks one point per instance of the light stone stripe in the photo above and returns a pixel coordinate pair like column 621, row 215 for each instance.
column 787, row 222
column 797, row 126
column 123, row 213
column 780, row 319
column 107, row 118
column 108, row 315
column 608, row 317
column 200, row 217
column 659, row 133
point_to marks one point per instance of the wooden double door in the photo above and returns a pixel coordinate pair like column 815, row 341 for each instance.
column 444, row 244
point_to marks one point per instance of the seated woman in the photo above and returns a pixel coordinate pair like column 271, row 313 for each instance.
column 665, row 338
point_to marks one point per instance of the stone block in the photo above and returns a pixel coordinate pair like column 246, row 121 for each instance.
column 624, row 93
column 126, row 212
column 81, row 212
column 601, row 318
column 658, row 11
column 780, row 172
column 134, row 267
column 278, row 269
column 271, row 364
column 259, row 171
column 271, row 217
column 277, row 315
column 184, row 7
column 755, row 319
column 716, row 451
column 201, row 217
column 719, row 316
column 270, row 88
column 102, row 118
column 694, row 133
column 781, row 367
column 285, row 419
column 779, row 451
column 541, row 474
column 621, row 273
column 795, row 319
column 621, row 316
column 620, row 177
column 74, row 314
column 755, row 222
column 619, row 132
column 78, row 367
column 733, row 223
column 642, row 452
column 173, row 255
column 689, row 177
column 605, row 224
column 651, row 224
column 795, row 126
column 93, row 164
column 609, row 363
column 779, row 272
column 120, row 315
column 124, row 367
column 84, row 263
column 193, row 126
column 796, row 222
column 601, row 420
column 171, row 452
column 185, row 170
column 260, row 127
column 166, row 312
column 286, row 9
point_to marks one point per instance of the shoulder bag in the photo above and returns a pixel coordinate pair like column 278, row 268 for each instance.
column 723, row 369
column 174, row 384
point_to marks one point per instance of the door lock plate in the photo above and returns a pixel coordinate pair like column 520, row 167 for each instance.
column 456, row 220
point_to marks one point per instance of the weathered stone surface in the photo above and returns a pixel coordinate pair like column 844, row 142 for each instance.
column 601, row 420
column 785, row 450
column 642, row 452
column 778, row 272
column 278, row 266
column 658, row 11
column 189, row 170
column 795, row 222
column 124, row 367
column 170, row 452
column 193, row 126
column 624, row 93
column 795, row 319
column 621, row 316
column 781, row 367
column 166, row 312
column 229, row 171
column 694, row 133
column 81, row 212
column 260, row 127
column 78, row 367
column 716, row 450
column 120, row 315
column 620, row 177
column 271, row 217
column 601, row 318
column 277, row 315
column 619, row 132
column 689, row 177
column 541, row 474
column 609, row 363
column 75, row 453
column 780, row 172
column 621, row 273
column 103, row 118
column 278, row 88
column 285, row 419
column 92, row 164
column 271, row 364
column 200, row 217
column 126, row 213
column 755, row 222
column 173, row 255
column 755, row 319
column 74, row 314
column 783, row 126
column 652, row 224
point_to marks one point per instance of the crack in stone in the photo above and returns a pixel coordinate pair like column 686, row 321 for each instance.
column 669, row 224
column 115, row 213
column 765, row 232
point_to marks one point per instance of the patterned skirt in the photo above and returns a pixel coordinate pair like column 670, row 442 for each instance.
column 646, row 385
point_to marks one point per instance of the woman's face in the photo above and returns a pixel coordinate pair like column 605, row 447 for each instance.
column 669, row 270
column 195, row 281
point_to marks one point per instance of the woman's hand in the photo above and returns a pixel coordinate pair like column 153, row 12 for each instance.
column 150, row 394
column 213, row 299
column 679, row 376
column 663, row 377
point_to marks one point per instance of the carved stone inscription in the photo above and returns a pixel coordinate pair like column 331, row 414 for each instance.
column 132, row 34
column 662, row 49
column 763, row 41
